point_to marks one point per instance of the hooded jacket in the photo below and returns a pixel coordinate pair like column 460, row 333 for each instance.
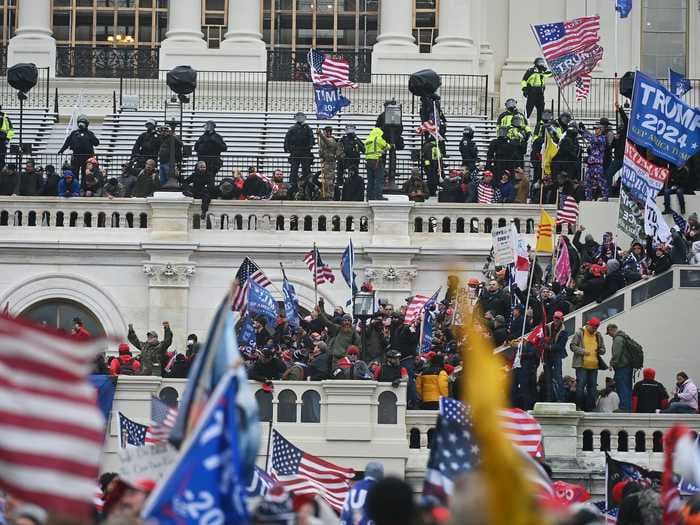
column 648, row 395
column 153, row 355
column 576, row 346
column 68, row 190
column 432, row 384
column 375, row 145
column 124, row 357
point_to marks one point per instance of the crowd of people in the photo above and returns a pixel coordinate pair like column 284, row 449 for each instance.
column 584, row 164
column 333, row 345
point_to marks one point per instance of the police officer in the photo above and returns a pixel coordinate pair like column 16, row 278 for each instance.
column 500, row 153
column 392, row 371
column 432, row 163
column 518, row 135
column 82, row 143
column 146, row 146
column 298, row 143
column 505, row 118
column 209, row 148
column 538, row 142
column 353, row 149
column 533, row 87
column 468, row 149
column 6, row 134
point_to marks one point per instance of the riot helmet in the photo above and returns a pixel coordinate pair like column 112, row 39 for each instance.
column 511, row 104
column 547, row 116
column 300, row 117
column 150, row 124
column 83, row 121
column 539, row 62
column 565, row 119
column 468, row 131
column 209, row 126
column 517, row 121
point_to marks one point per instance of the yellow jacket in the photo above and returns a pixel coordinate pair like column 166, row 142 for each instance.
column 431, row 385
column 375, row 145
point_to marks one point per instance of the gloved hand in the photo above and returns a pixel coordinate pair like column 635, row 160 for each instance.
column 525, row 91
column 395, row 383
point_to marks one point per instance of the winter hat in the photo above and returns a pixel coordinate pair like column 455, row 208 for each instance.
column 151, row 334
column 124, row 349
column 649, row 373
column 374, row 470
column 353, row 350
column 68, row 173
column 693, row 216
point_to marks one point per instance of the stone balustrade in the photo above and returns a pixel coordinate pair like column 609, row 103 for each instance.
column 429, row 218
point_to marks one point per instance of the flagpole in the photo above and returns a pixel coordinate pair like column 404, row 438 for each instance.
column 554, row 232
column 351, row 255
column 516, row 361
column 437, row 140
column 315, row 275
column 269, row 441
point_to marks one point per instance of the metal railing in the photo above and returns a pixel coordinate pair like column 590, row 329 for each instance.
column 287, row 64
column 106, row 61
column 38, row 96
column 241, row 91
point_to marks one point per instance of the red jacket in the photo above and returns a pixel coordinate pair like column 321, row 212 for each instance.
column 116, row 364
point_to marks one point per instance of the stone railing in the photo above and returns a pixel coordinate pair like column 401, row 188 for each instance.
column 447, row 218
column 339, row 420
column 79, row 213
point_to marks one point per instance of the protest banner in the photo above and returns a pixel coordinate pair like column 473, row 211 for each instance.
column 329, row 101
column 662, row 122
column 149, row 462
column 504, row 245
column 641, row 178
column 654, row 223
column 630, row 218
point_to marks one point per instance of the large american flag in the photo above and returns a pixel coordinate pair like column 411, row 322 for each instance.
column 51, row 430
column 524, row 431
column 322, row 272
column 303, row 473
column 163, row 418
column 329, row 71
column 248, row 269
column 414, row 308
column 568, row 213
column 563, row 38
column 431, row 128
column 131, row 433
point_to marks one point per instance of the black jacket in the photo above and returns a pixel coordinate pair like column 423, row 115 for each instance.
column 30, row 183
column 262, row 371
column 80, row 142
column 469, row 151
column 9, row 181
column 299, row 140
column 164, row 150
column 354, row 189
column 353, row 147
column 255, row 187
column 147, row 145
column 201, row 183
column 210, row 145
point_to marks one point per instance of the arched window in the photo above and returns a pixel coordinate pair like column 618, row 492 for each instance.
column 640, row 442
column 310, row 407
column 59, row 314
column 658, row 441
column 587, row 441
column 414, row 438
column 431, row 437
column 386, row 415
column 264, row 400
column 287, row 407
column 622, row 445
column 605, row 441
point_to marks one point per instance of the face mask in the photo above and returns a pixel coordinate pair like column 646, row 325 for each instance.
column 82, row 125
column 301, row 120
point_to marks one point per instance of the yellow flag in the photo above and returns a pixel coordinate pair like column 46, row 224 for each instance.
column 510, row 496
column 545, row 233
column 550, row 149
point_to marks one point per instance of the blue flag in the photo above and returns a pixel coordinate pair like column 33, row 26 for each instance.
column 261, row 302
column 679, row 84
column 291, row 303
column 329, row 101
column 428, row 321
column 355, row 507
column 206, row 484
column 661, row 122
column 347, row 263
column 105, row 386
column 623, row 7
column 247, row 333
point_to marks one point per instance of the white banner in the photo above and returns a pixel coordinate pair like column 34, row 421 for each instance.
column 504, row 245
column 149, row 462
column 654, row 223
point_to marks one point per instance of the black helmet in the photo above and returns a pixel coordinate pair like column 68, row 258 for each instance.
column 391, row 354
column 572, row 129
column 511, row 103
column 547, row 116
column 565, row 118
column 539, row 61
column 83, row 118
column 468, row 130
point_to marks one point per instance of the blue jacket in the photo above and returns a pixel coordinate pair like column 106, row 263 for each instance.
column 65, row 190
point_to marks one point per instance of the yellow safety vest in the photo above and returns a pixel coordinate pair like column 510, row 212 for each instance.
column 6, row 127
column 535, row 79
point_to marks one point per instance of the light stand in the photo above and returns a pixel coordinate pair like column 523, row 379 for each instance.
column 363, row 309
column 22, row 97
column 392, row 121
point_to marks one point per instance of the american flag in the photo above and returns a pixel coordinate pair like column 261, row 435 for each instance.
column 322, row 272
column 248, row 269
column 455, row 451
column 302, row 473
column 485, row 193
column 563, row 38
column 430, row 128
column 568, row 213
column 51, row 430
column 610, row 514
column 524, row 431
column 163, row 418
column 414, row 309
column 583, row 86
column 329, row 71
column 131, row 433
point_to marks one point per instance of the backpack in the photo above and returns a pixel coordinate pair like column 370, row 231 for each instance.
column 127, row 369
column 635, row 352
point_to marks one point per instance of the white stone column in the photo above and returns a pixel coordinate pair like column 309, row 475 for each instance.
column 33, row 41
column 455, row 34
column 184, row 39
column 396, row 50
column 484, row 49
column 244, row 39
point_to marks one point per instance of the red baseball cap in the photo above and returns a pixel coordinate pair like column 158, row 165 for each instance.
column 558, row 315
column 594, row 322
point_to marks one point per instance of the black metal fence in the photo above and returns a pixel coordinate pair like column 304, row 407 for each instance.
column 106, row 61
column 241, row 91
column 38, row 96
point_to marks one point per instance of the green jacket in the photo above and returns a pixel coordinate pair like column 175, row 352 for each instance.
column 576, row 346
column 329, row 149
column 620, row 355
column 338, row 340
column 153, row 356
column 375, row 145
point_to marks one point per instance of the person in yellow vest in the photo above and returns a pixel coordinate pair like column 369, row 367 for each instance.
column 504, row 120
column 6, row 134
column 587, row 346
column 375, row 146
column 533, row 87
column 432, row 156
